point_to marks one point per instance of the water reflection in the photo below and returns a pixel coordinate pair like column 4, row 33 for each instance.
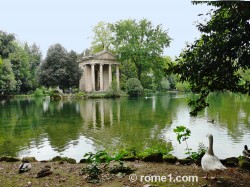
column 44, row 128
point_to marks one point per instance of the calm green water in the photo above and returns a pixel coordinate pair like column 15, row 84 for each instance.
column 44, row 128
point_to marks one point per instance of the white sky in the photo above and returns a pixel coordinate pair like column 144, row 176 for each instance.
column 70, row 22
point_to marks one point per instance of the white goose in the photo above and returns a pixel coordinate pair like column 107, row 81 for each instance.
column 209, row 162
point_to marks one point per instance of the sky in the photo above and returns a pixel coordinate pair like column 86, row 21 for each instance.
column 70, row 22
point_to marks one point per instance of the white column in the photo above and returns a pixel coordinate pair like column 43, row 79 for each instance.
column 101, row 77
column 117, row 76
column 110, row 74
column 118, row 111
column 94, row 114
column 111, row 115
column 93, row 76
column 102, row 113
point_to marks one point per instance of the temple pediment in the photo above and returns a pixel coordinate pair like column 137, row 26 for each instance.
column 103, row 55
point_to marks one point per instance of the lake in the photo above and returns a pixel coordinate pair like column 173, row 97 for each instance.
column 44, row 129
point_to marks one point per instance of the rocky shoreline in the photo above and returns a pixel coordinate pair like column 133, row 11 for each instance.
column 240, row 161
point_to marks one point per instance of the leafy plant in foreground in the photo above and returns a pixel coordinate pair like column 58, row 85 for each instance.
column 98, row 158
column 183, row 134
column 199, row 154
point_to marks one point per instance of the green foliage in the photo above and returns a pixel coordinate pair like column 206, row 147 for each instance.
column 183, row 134
column 24, row 61
column 134, row 87
column 127, row 70
column 172, row 79
column 183, row 86
column 99, row 157
column 147, row 81
column 35, row 58
column 160, row 147
column 21, row 68
column 7, row 78
column 139, row 42
column 128, row 152
column 81, row 94
column 245, row 76
column 94, row 169
column 199, row 154
column 125, row 152
column 114, row 91
column 43, row 91
column 165, row 84
column 68, row 160
column 60, row 68
column 213, row 61
column 93, row 172
column 6, row 44
column 120, row 168
column 38, row 92
column 102, row 37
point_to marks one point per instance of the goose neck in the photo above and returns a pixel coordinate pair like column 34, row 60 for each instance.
column 210, row 146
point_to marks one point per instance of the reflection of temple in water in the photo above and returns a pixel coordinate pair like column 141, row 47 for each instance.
column 100, row 112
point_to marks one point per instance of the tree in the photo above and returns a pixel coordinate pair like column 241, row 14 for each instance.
column 214, row 61
column 73, row 70
column 59, row 68
column 19, row 59
column 35, row 58
column 24, row 61
column 127, row 70
column 102, row 37
column 7, row 78
column 6, row 44
column 139, row 42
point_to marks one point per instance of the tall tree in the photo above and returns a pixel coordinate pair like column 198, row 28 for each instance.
column 214, row 62
column 6, row 44
column 59, row 68
column 19, row 59
column 102, row 38
column 139, row 42
column 72, row 69
column 24, row 61
column 35, row 58
column 7, row 78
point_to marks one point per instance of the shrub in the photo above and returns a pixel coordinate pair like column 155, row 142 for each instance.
column 81, row 94
column 113, row 90
column 38, row 92
column 134, row 87
column 165, row 85
column 183, row 87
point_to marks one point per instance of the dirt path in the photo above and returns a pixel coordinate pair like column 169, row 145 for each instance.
column 70, row 175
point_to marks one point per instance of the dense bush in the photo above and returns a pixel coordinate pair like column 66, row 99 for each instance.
column 165, row 84
column 114, row 90
column 43, row 91
column 183, row 87
column 38, row 92
column 134, row 87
